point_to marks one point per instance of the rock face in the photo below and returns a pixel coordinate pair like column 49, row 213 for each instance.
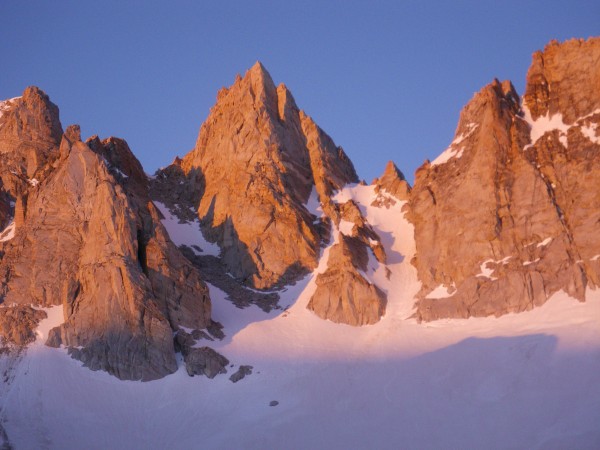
column 256, row 162
column 30, row 131
column 508, row 214
column 343, row 294
column 17, row 324
column 204, row 361
column 88, row 237
column 259, row 169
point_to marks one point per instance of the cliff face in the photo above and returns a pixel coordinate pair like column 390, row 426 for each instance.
column 86, row 236
column 506, row 215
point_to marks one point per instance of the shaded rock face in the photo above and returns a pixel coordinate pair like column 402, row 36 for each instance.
column 90, row 239
column 256, row 161
column 204, row 361
column 508, row 214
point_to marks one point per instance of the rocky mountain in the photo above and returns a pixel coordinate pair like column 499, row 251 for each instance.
column 85, row 235
column 509, row 213
column 258, row 172
column 255, row 164
column 505, row 217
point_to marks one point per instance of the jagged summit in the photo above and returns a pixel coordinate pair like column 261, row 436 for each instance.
column 112, row 266
column 393, row 181
column 503, row 218
column 557, row 75
column 256, row 161
column 259, row 70
column 32, row 119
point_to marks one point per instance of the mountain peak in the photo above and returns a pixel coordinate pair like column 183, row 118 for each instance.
column 31, row 92
column 259, row 68
column 555, row 77
column 392, row 171
column 259, row 158
column 32, row 118
column 257, row 76
column 393, row 181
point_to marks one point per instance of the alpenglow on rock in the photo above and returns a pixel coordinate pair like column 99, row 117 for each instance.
column 86, row 236
column 506, row 216
column 262, row 178
column 257, row 160
column 509, row 213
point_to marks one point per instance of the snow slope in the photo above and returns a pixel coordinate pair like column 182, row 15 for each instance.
column 187, row 233
column 526, row 380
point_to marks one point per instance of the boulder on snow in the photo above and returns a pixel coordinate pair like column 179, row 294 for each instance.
column 205, row 361
column 241, row 373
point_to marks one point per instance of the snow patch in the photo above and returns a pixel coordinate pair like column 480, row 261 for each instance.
column 8, row 233
column 591, row 132
column 454, row 150
column 5, row 105
column 442, row 292
column 345, row 227
column 313, row 204
column 361, row 195
column 460, row 374
column 544, row 124
column 55, row 318
column 33, row 182
column 114, row 169
column 548, row 123
column 485, row 271
column 187, row 233
column 544, row 242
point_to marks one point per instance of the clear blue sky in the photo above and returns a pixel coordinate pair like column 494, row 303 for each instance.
column 386, row 79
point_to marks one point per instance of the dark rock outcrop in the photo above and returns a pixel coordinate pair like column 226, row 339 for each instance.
column 205, row 361
column 241, row 373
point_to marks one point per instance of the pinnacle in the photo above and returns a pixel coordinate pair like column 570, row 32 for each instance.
column 73, row 133
column 258, row 67
column 34, row 92
column 259, row 73
column 392, row 171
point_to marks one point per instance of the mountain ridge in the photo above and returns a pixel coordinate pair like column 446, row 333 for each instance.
column 501, row 220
